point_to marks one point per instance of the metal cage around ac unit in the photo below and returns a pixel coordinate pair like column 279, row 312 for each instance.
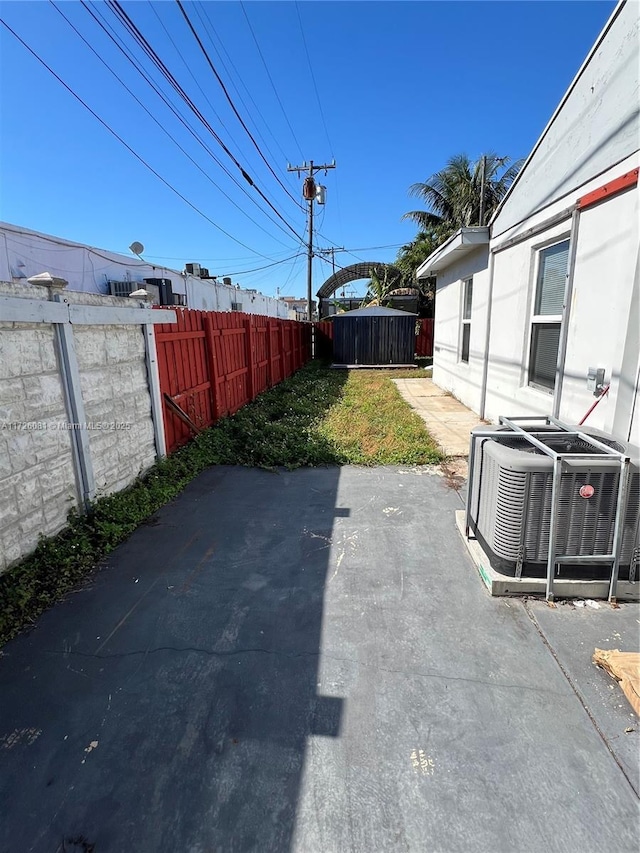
column 511, row 498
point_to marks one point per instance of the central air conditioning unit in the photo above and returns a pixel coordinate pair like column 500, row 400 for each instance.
column 165, row 289
column 123, row 288
column 510, row 500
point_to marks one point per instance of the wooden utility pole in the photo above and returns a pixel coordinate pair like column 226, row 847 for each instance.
column 309, row 193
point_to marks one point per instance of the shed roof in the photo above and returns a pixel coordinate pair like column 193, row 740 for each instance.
column 374, row 311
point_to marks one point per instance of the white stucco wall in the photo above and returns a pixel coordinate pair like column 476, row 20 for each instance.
column 24, row 253
column 209, row 296
column 461, row 379
column 595, row 127
column 603, row 319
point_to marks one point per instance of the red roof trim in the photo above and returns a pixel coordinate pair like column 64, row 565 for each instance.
column 625, row 181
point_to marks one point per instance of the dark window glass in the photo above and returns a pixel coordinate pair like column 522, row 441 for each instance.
column 466, row 334
column 545, row 338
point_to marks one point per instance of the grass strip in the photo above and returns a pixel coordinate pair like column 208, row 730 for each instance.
column 316, row 417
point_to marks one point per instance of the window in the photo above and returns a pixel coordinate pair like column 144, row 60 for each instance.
column 547, row 315
column 467, row 298
column 236, row 306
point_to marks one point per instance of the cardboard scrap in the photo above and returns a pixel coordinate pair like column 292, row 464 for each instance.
column 625, row 668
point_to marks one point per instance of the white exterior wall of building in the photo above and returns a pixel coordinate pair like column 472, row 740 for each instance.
column 592, row 140
column 25, row 253
column 212, row 296
column 603, row 313
column 462, row 379
column 594, row 128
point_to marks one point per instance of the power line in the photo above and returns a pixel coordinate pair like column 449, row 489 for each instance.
column 231, row 103
column 306, row 50
column 126, row 145
column 219, row 47
column 105, row 27
column 190, row 72
column 266, row 266
column 273, row 85
column 124, row 18
column 163, row 128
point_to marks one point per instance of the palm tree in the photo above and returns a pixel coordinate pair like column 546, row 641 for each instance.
column 463, row 193
column 382, row 283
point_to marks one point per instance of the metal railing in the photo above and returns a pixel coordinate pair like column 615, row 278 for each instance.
column 559, row 461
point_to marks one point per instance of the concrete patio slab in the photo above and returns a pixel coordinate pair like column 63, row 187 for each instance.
column 306, row 662
column 448, row 421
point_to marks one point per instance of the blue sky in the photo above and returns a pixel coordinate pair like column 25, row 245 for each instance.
column 401, row 87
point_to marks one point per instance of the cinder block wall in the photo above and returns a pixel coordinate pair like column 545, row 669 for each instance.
column 37, row 477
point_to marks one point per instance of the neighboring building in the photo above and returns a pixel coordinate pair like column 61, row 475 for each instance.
column 24, row 253
column 524, row 322
column 298, row 307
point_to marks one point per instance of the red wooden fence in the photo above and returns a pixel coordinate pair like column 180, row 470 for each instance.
column 424, row 338
column 211, row 364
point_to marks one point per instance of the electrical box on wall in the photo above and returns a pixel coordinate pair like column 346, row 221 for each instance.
column 595, row 380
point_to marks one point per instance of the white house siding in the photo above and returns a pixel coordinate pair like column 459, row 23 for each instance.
column 602, row 313
column 594, row 128
column 449, row 372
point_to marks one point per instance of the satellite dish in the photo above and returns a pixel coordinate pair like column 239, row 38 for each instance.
column 137, row 248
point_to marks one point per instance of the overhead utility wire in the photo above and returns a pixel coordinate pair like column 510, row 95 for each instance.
column 232, row 105
column 219, row 47
column 189, row 71
column 306, row 50
column 126, row 145
column 116, row 7
column 273, row 85
column 266, row 266
column 105, row 27
column 164, row 130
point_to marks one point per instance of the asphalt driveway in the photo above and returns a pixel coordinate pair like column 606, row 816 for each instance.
column 307, row 662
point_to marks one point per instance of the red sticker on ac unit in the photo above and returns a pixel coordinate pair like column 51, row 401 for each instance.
column 587, row 491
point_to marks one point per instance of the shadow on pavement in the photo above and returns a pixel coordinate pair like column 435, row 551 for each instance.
column 168, row 706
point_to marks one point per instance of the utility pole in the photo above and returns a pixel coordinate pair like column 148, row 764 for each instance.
column 482, row 180
column 332, row 251
column 309, row 193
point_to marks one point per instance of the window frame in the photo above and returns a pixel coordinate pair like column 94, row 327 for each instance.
column 465, row 321
column 536, row 321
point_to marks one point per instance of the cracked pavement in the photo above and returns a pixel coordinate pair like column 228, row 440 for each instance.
column 279, row 663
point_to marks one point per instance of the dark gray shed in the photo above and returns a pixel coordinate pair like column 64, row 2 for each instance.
column 374, row 336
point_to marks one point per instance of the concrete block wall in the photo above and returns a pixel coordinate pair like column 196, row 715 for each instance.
column 37, row 476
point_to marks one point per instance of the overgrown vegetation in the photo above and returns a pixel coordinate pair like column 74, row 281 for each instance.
column 317, row 417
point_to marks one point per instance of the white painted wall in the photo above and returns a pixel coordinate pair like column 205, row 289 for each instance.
column 209, row 296
column 596, row 126
column 461, row 379
column 24, row 253
column 603, row 321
